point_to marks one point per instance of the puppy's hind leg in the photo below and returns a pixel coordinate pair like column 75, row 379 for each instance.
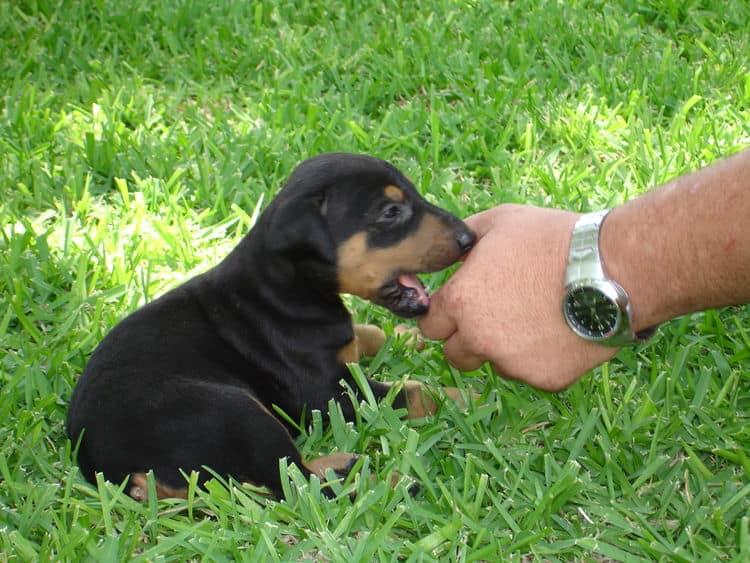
column 257, row 440
column 233, row 433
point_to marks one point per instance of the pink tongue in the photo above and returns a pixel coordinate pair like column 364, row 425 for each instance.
column 412, row 281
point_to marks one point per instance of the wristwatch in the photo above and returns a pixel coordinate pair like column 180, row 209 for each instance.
column 596, row 307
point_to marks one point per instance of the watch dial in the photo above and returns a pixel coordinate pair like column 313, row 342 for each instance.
column 591, row 312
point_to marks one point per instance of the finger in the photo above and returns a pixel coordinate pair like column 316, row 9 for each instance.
column 459, row 355
column 438, row 323
column 482, row 222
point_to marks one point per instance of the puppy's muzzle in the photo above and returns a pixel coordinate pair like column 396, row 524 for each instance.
column 404, row 293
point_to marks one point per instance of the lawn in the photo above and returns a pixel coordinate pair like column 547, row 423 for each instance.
column 138, row 142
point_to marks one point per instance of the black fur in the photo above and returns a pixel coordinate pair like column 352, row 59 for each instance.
column 190, row 379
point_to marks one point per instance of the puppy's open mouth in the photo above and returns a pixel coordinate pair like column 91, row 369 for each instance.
column 404, row 295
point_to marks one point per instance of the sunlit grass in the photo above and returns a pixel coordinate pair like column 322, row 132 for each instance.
column 138, row 141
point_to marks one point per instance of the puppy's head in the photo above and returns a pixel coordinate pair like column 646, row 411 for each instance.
column 363, row 222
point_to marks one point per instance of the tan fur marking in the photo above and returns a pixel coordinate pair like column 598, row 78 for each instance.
column 370, row 339
column 139, row 489
column 395, row 476
column 349, row 354
column 353, row 277
column 394, row 194
column 338, row 462
column 420, row 402
column 362, row 270
column 411, row 335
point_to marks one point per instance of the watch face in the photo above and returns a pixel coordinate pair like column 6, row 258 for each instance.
column 591, row 313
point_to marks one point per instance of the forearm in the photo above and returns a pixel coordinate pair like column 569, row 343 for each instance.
column 681, row 248
column 686, row 246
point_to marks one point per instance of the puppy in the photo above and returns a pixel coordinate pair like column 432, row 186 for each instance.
column 191, row 379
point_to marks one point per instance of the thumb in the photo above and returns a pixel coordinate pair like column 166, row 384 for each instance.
column 482, row 222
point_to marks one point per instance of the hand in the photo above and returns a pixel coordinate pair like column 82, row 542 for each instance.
column 504, row 304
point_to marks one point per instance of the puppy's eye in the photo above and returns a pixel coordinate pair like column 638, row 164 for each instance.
column 394, row 214
column 390, row 213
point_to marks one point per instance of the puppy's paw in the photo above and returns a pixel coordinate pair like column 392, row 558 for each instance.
column 370, row 339
column 139, row 489
column 340, row 463
column 422, row 400
column 412, row 487
column 455, row 394
column 411, row 336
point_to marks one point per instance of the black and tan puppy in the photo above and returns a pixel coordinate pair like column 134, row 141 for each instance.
column 190, row 379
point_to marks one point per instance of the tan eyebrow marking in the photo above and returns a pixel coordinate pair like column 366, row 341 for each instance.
column 394, row 194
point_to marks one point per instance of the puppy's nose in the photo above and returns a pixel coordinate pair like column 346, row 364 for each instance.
column 465, row 239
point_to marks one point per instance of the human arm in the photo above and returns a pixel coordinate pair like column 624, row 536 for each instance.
column 684, row 247
column 681, row 248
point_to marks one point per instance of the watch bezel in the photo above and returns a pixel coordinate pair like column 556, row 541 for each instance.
column 615, row 294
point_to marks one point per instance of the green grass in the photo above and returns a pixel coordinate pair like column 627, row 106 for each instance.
column 139, row 139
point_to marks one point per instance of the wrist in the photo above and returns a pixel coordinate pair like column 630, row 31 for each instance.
column 631, row 260
column 596, row 307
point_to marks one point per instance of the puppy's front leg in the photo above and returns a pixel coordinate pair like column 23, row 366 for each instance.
column 420, row 399
column 370, row 339
column 367, row 341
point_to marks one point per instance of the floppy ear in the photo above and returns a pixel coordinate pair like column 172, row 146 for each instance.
column 298, row 230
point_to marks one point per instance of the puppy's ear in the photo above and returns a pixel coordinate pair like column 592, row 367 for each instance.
column 298, row 230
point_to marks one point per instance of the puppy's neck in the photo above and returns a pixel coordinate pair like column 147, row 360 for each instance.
column 259, row 283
